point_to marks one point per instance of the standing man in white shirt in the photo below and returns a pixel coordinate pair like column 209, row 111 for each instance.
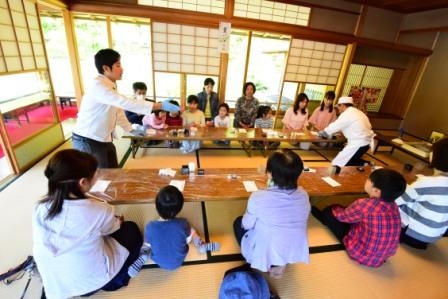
column 356, row 127
column 102, row 108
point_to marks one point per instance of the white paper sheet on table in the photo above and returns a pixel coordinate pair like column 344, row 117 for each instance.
column 250, row 186
column 151, row 132
column 180, row 184
column 242, row 131
column 331, row 182
column 310, row 170
column 100, row 186
column 314, row 133
column 167, row 172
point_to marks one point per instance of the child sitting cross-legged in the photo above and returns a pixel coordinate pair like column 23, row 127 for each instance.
column 155, row 120
column 222, row 120
column 369, row 227
column 166, row 239
column 265, row 120
column 193, row 117
column 173, row 119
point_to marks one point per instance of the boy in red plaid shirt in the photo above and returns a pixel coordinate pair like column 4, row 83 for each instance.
column 370, row 227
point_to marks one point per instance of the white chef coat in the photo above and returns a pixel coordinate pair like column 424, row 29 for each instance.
column 356, row 127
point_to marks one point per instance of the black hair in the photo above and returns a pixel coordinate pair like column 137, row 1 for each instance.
column 263, row 110
column 391, row 183
column 285, row 167
column 106, row 57
column 208, row 81
column 192, row 99
column 328, row 95
column 440, row 155
column 246, row 85
column 300, row 97
column 174, row 102
column 169, row 202
column 225, row 105
column 157, row 112
column 64, row 170
column 139, row 86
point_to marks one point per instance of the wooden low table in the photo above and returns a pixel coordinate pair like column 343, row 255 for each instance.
column 130, row 186
column 407, row 140
column 245, row 138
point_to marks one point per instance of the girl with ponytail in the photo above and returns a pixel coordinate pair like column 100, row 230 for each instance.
column 80, row 246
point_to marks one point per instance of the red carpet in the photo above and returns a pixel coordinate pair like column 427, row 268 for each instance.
column 39, row 118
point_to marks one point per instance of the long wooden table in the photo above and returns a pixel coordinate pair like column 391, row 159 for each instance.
column 130, row 186
column 245, row 137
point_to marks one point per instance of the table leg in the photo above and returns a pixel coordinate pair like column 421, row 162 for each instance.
column 198, row 162
column 247, row 147
column 265, row 149
column 135, row 145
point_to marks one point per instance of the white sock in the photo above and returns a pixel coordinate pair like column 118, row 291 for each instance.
column 135, row 268
column 212, row 246
column 203, row 247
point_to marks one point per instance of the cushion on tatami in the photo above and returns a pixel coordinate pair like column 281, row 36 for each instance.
column 156, row 157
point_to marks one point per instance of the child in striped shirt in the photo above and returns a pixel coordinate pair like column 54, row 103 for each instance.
column 265, row 120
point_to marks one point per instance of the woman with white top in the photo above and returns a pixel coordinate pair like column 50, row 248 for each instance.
column 80, row 246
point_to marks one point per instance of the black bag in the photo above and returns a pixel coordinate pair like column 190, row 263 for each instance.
column 27, row 265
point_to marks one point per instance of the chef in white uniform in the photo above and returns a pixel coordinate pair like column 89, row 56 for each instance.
column 356, row 127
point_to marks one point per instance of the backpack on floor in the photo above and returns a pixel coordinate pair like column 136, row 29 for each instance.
column 245, row 283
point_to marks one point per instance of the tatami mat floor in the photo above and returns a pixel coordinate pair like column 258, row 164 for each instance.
column 410, row 274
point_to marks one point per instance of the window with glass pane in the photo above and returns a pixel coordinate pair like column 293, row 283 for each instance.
column 91, row 36
column 288, row 95
column 5, row 165
column 57, row 53
column 25, row 104
column 58, row 59
column 195, row 83
column 267, row 59
column 236, row 66
column 167, row 85
column 316, row 92
column 133, row 41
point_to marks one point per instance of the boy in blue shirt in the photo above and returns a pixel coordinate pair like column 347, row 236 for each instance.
column 167, row 239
